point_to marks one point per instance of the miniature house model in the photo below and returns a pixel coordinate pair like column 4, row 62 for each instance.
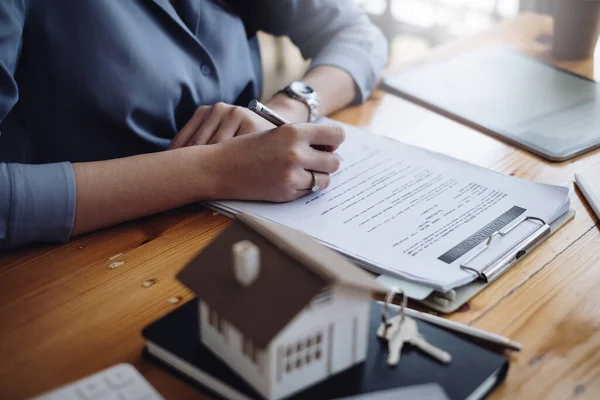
column 281, row 310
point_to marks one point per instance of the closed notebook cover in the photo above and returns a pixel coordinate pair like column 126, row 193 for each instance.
column 178, row 333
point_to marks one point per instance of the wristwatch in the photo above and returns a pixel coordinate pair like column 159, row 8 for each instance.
column 302, row 92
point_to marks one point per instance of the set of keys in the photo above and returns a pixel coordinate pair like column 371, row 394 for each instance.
column 401, row 329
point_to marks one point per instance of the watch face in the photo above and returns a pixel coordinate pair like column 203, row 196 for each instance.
column 301, row 89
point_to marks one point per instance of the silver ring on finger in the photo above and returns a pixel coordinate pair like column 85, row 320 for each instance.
column 314, row 187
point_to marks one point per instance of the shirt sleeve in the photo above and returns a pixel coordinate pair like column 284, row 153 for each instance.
column 330, row 32
column 37, row 202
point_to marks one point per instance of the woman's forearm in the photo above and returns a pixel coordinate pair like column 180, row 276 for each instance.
column 269, row 166
column 335, row 87
column 114, row 191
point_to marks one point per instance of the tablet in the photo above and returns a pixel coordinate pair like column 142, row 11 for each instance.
column 546, row 110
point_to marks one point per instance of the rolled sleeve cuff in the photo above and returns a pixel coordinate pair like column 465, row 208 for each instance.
column 42, row 203
column 364, row 67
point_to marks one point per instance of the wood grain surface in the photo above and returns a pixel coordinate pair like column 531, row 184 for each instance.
column 69, row 311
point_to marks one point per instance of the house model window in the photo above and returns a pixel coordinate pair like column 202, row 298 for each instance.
column 281, row 310
column 303, row 353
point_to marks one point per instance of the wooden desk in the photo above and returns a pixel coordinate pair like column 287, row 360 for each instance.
column 68, row 311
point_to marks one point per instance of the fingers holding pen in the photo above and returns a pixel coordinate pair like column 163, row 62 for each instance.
column 321, row 161
column 277, row 165
column 329, row 137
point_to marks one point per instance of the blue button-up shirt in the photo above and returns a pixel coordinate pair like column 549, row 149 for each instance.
column 84, row 80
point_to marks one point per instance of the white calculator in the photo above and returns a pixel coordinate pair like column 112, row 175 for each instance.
column 120, row 382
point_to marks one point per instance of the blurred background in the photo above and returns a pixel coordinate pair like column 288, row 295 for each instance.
column 411, row 26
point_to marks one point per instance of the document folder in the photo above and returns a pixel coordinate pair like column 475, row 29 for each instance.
column 431, row 224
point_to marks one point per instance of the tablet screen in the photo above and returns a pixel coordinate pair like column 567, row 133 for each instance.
column 513, row 95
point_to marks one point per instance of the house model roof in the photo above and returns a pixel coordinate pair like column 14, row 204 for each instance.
column 294, row 268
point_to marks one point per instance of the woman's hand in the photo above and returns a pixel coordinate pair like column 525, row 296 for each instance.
column 275, row 165
column 215, row 124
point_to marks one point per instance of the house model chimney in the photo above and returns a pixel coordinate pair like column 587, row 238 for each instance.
column 246, row 262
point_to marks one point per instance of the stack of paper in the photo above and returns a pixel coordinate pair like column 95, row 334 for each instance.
column 407, row 212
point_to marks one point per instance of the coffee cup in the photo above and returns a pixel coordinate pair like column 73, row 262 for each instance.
column 576, row 28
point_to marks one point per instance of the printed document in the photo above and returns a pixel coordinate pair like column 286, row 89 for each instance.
column 411, row 213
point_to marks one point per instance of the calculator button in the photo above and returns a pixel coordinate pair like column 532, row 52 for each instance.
column 119, row 377
column 109, row 396
column 63, row 394
column 137, row 391
column 92, row 387
column 120, row 382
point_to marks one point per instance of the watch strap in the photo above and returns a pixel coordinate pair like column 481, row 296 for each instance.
column 313, row 104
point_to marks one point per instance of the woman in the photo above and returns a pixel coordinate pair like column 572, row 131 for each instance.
column 92, row 91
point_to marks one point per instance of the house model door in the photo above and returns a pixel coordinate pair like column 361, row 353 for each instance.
column 342, row 344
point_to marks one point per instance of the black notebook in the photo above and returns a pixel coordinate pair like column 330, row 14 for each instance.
column 173, row 342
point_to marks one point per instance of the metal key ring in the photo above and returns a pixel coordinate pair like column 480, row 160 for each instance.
column 388, row 299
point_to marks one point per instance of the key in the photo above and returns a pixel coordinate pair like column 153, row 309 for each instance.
column 390, row 331
column 420, row 342
column 409, row 333
column 382, row 330
column 402, row 329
